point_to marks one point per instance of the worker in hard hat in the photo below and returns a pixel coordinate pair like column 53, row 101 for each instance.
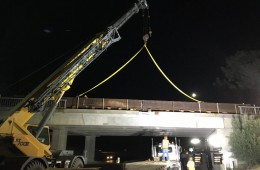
column 165, row 146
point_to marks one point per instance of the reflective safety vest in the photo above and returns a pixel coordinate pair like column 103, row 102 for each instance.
column 165, row 144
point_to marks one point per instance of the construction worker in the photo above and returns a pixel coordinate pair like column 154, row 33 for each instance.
column 165, row 146
column 184, row 159
column 191, row 164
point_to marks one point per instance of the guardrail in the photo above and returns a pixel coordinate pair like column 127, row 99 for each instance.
column 144, row 105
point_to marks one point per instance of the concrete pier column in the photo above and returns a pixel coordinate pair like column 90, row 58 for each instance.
column 90, row 144
column 59, row 139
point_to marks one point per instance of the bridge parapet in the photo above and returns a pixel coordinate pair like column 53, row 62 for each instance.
column 143, row 105
column 152, row 105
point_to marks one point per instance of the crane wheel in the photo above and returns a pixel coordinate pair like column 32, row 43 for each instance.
column 77, row 163
column 34, row 165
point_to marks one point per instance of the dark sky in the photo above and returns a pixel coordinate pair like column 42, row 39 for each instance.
column 190, row 42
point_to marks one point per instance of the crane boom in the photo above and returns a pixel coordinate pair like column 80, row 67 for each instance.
column 29, row 144
column 60, row 81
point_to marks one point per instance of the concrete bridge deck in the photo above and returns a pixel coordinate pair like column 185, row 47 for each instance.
column 128, row 117
column 134, row 123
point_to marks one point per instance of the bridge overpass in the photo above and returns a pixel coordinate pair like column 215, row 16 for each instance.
column 128, row 117
column 93, row 117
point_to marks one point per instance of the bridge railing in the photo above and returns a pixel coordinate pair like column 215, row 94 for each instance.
column 249, row 110
column 152, row 105
column 8, row 102
column 143, row 105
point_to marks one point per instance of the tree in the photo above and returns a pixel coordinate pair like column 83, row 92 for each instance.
column 245, row 139
column 241, row 75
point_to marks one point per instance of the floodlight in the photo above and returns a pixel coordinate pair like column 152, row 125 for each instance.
column 195, row 141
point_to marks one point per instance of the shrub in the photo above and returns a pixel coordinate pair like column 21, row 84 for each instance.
column 245, row 139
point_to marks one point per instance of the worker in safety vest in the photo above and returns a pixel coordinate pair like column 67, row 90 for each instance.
column 165, row 146
column 191, row 164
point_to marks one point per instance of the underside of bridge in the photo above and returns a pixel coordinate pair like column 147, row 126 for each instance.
column 135, row 131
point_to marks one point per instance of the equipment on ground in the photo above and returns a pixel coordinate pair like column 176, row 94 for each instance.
column 27, row 147
column 174, row 155
column 217, row 158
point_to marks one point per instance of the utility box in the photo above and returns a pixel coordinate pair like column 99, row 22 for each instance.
column 217, row 158
column 197, row 158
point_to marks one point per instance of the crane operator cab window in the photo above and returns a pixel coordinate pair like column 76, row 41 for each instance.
column 43, row 137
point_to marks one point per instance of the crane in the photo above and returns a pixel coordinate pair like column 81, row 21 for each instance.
column 29, row 145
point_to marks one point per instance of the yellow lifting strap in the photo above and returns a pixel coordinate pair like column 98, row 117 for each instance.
column 109, row 77
column 164, row 75
column 155, row 63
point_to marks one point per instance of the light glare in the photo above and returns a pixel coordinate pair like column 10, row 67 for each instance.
column 216, row 140
column 195, row 141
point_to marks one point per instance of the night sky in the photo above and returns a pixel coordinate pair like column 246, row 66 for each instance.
column 190, row 42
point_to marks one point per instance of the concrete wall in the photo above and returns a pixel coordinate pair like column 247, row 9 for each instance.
column 220, row 138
